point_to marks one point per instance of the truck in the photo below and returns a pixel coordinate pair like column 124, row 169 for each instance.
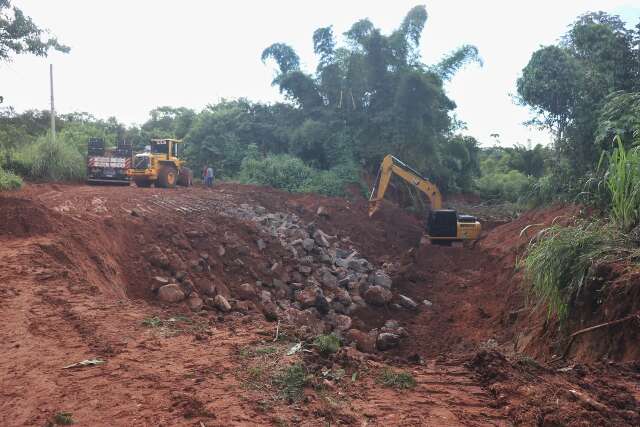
column 108, row 165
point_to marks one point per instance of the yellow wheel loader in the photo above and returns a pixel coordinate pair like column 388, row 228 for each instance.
column 443, row 226
column 160, row 165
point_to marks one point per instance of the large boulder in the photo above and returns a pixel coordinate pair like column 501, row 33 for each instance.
column 380, row 278
column 170, row 293
column 157, row 258
column 329, row 280
column 387, row 341
column 364, row 342
column 377, row 295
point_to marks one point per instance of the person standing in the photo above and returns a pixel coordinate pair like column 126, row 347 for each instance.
column 209, row 176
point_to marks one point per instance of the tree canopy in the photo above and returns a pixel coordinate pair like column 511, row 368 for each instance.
column 19, row 34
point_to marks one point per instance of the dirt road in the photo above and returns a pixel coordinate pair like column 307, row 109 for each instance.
column 76, row 277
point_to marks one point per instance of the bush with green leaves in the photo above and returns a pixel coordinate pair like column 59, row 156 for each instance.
column 327, row 344
column 57, row 161
column 9, row 180
column 511, row 186
column 558, row 261
column 290, row 173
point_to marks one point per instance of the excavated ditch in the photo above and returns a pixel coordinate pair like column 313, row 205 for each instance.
column 251, row 259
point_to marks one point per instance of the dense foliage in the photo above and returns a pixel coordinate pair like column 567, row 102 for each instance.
column 586, row 90
column 369, row 96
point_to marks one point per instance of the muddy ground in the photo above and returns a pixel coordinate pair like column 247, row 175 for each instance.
column 80, row 268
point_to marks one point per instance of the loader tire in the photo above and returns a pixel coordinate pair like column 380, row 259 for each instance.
column 185, row 178
column 167, row 177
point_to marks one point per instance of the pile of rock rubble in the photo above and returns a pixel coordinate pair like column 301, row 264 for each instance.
column 325, row 282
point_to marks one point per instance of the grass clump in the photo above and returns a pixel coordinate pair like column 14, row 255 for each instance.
column 291, row 382
column 152, row 322
column 558, row 262
column 9, row 180
column 622, row 180
column 327, row 344
column 399, row 380
column 63, row 419
column 58, row 161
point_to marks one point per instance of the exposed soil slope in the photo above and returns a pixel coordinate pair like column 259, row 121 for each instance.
column 77, row 282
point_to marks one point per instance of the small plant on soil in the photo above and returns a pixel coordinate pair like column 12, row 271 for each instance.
column 327, row 344
column 152, row 322
column 63, row 419
column 397, row 379
column 291, row 382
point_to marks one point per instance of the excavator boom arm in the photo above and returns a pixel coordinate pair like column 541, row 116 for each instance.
column 391, row 165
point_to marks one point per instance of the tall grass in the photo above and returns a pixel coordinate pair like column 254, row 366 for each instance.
column 558, row 262
column 622, row 180
column 9, row 180
column 59, row 161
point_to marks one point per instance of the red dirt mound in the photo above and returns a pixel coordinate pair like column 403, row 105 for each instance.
column 23, row 217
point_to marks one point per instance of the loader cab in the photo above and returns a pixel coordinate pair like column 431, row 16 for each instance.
column 168, row 147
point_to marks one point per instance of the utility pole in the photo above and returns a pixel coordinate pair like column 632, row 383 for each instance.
column 53, row 111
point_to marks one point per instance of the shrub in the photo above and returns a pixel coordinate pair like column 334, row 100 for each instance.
column 511, row 186
column 290, row 173
column 327, row 344
column 558, row 262
column 55, row 162
column 9, row 180
column 291, row 382
column 396, row 379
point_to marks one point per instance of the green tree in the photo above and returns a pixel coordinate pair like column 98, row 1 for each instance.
column 19, row 34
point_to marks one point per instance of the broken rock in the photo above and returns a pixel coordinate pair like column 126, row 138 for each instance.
column 170, row 293
column 364, row 342
column 221, row 303
column 381, row 278
column 195, row 303
column 158, row 282
column 407, row 302
column 387, row 341
column 306, row 297
column 246, row 291
column 377, row 295
column 308, row 244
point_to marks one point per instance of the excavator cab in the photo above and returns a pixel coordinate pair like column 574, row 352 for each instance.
column 443, row 226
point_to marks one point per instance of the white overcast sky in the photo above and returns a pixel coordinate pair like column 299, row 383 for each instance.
column 129, row 56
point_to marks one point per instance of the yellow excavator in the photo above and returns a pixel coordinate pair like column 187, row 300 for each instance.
column 160, row 165
column 444, row 226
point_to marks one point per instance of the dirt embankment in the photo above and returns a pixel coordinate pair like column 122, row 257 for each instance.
column 82, row 267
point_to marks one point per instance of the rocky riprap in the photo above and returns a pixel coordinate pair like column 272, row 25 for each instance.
column 327, row 281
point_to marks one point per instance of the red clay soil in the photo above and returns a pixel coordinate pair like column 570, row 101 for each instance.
column 75, row 284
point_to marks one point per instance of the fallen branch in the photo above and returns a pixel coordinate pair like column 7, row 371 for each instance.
column 593, row 328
